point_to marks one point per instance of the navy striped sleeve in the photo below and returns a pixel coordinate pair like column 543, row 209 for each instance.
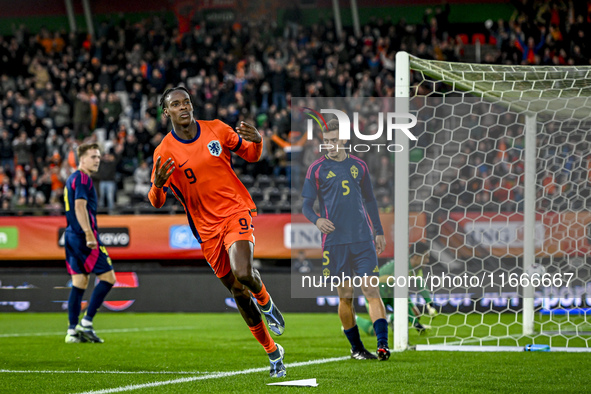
column 238, row 145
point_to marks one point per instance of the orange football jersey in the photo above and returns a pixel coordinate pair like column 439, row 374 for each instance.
column 204, row 180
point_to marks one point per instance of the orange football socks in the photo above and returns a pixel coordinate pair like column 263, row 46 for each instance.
column 262, row 335
column 262, row 296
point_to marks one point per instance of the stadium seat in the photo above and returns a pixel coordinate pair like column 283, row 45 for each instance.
column 256, row 194
column 265, row 207
column 247, row 181
column 295, row 196
column 263, row 181
column 283, row 207
column 273, row 195
column 478, row 37
column 464, row 38
column 286, row 193
column 281, row 181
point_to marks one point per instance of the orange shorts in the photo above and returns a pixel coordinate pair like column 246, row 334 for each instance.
column 237, row 227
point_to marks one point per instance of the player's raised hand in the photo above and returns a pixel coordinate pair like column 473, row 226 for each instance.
column 249, row 132
column 380, row 244
column 325, row 226
column 161, row 174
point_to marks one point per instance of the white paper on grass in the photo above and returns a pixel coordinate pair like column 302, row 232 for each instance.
column 302, row 382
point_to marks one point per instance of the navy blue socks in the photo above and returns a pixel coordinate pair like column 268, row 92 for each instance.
column 98, row 296
column 74, row 305
column 354, row 339
column 380, row 327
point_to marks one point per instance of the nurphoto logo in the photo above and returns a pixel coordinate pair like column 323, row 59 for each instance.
column 345, row 129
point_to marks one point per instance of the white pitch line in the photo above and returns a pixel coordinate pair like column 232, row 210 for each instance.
column 113, row 330
column 110, row 372
column 476, row 340
column 210, row 376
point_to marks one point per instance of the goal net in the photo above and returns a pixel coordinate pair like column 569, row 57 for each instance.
column 502, row 172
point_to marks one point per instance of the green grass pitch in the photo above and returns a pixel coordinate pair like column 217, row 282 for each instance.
column 187, row 352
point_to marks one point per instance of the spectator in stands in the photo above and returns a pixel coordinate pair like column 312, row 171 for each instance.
column 68, row 149
column 60, row 113
column 20, row 186
column 531, row 49
column 6, row 151
column 40, row 74
column 135, row 98
column 39, row 148
column 111, row 110
column 42, row 183
column 141, row 177
column 22, row 150
column 6, row 191
column 82, row 114
column 129, row 155
column 61, row 84
column 107, row 177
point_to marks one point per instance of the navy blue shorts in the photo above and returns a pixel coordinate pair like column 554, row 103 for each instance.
column 80, row 259
column 350, row 259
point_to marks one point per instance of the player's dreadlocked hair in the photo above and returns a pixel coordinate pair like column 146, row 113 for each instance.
column 168, row 91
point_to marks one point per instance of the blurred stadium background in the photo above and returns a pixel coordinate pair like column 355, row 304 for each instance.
column 94, row 71
column 80, row 71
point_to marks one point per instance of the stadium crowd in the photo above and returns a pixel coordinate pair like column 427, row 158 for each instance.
column 58, row 89
column 548, row 32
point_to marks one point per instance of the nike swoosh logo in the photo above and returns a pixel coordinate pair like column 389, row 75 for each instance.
column 181, row 166
column 243, row 232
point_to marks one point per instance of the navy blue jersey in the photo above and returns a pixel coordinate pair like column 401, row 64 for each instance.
column 341, row 188
column 79, row 186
